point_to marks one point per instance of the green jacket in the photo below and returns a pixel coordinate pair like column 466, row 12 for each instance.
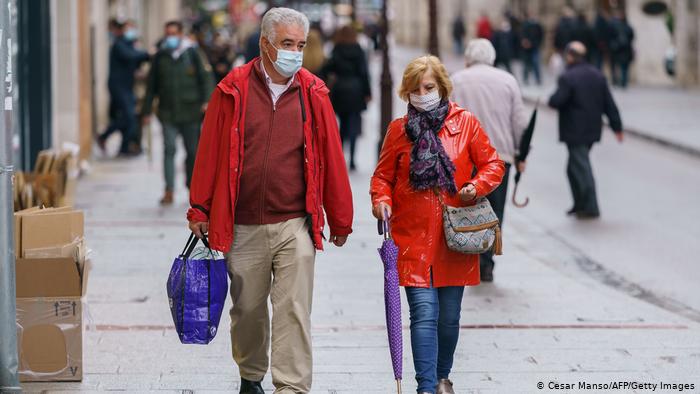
column 182, row 86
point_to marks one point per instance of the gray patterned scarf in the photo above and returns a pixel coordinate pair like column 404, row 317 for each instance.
column 430, row 165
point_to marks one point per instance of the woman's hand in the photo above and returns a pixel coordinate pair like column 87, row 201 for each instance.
column 468, row 192
column 380, row 210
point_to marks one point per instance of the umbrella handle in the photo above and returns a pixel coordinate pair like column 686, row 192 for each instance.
column 386, row 226
column 517, row 204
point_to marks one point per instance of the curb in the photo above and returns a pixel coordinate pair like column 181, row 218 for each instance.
column 695, row 152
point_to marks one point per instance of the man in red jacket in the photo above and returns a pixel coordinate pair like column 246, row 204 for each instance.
column 269, row 163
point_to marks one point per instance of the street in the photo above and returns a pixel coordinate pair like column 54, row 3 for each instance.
column 600, row 301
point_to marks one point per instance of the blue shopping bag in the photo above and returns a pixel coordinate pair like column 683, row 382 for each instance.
column 197, row 289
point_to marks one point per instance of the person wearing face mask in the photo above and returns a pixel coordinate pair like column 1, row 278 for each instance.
column 124, row 60
column 428, row 155
column 182, row 80
column 269, row 164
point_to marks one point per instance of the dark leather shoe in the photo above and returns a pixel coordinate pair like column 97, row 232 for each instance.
column 572, row 211
column 587, row 215
column 250, row 387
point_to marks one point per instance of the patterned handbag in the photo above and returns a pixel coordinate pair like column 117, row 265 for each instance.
column 472, row 230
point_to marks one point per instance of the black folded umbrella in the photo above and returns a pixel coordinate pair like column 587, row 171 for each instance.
column 524, row 150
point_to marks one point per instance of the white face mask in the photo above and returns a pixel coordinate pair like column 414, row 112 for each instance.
column 426, row 102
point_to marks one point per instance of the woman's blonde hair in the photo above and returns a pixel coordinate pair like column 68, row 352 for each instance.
column 313, row 52
column 414, row 72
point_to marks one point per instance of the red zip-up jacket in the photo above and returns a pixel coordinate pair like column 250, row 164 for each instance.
column 219, row 162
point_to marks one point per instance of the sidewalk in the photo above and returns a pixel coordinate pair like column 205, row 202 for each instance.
column 546, row 318
column 673, row 121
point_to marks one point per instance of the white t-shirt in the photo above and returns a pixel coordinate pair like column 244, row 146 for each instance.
column 276, row 90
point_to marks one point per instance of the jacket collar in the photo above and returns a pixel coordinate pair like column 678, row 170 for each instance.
column 452, row 120
column 237, row 79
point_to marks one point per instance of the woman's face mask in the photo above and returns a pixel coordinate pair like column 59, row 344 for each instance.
column 288, row 62
column 425, row 102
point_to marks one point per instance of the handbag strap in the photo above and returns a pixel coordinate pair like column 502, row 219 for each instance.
column 192, row 243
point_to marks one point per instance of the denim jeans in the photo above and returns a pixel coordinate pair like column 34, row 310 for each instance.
column 435, row 316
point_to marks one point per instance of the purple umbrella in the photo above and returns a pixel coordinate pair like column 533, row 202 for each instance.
column 392, row 299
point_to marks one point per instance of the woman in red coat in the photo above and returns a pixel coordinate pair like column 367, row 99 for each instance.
column 435, row 147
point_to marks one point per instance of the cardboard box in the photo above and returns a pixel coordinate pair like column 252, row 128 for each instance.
column 50, row 228
column 49, row 318
column 18, row 228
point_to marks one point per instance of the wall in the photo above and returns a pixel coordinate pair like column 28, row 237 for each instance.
column 652, row 40
column 65, row 71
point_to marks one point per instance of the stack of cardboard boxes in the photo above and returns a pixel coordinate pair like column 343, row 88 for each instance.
column 51, row 277
column 51, row 184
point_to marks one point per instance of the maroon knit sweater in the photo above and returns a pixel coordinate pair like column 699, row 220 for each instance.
column 272, row 186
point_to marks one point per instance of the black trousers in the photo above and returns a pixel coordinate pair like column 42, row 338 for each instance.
column 123, row 112
column 581, row 181
column 350, row 129
column 498, row 199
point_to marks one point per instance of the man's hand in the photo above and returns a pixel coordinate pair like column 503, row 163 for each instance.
column 520, row 165
column 204, row 107
column 146, row 119
column 620, row 136
column 382, row 211
column 199, row 228
column 468, row 193
column 338, row 240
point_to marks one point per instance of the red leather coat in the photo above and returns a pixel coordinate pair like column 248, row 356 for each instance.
column 417, row 215
column 215, row 181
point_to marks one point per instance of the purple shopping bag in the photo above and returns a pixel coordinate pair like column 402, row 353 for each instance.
column 197, row 291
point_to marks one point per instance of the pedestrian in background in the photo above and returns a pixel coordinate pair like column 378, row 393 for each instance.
column 432, row 150
column 314, row 57
column 621, row 50
column 124, row 60
column 182, row 82
column 493, row 96
column 483, row 27
column 530, row 42
column 219, row 55
column 458, row 32
column 565, row 30
column 504, row 41
column 347, row 75
column 582, row 97
column 262, row 201
column 584, row 33
column 602, row 33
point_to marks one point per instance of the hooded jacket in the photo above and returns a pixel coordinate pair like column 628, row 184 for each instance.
column 220, row 156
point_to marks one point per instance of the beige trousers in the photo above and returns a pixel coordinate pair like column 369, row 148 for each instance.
column 275, row 260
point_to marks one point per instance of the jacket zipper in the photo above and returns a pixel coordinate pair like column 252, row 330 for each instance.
column 263, row 186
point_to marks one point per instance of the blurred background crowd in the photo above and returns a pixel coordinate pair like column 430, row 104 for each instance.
column 64, row 55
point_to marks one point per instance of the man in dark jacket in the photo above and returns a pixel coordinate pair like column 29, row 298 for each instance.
column 530, row 42
column 124, row 60
column 182, row 80
column 621, row 50
column 582, row 97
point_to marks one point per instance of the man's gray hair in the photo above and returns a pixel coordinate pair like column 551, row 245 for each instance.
column 282, row 16
column 480, row 51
